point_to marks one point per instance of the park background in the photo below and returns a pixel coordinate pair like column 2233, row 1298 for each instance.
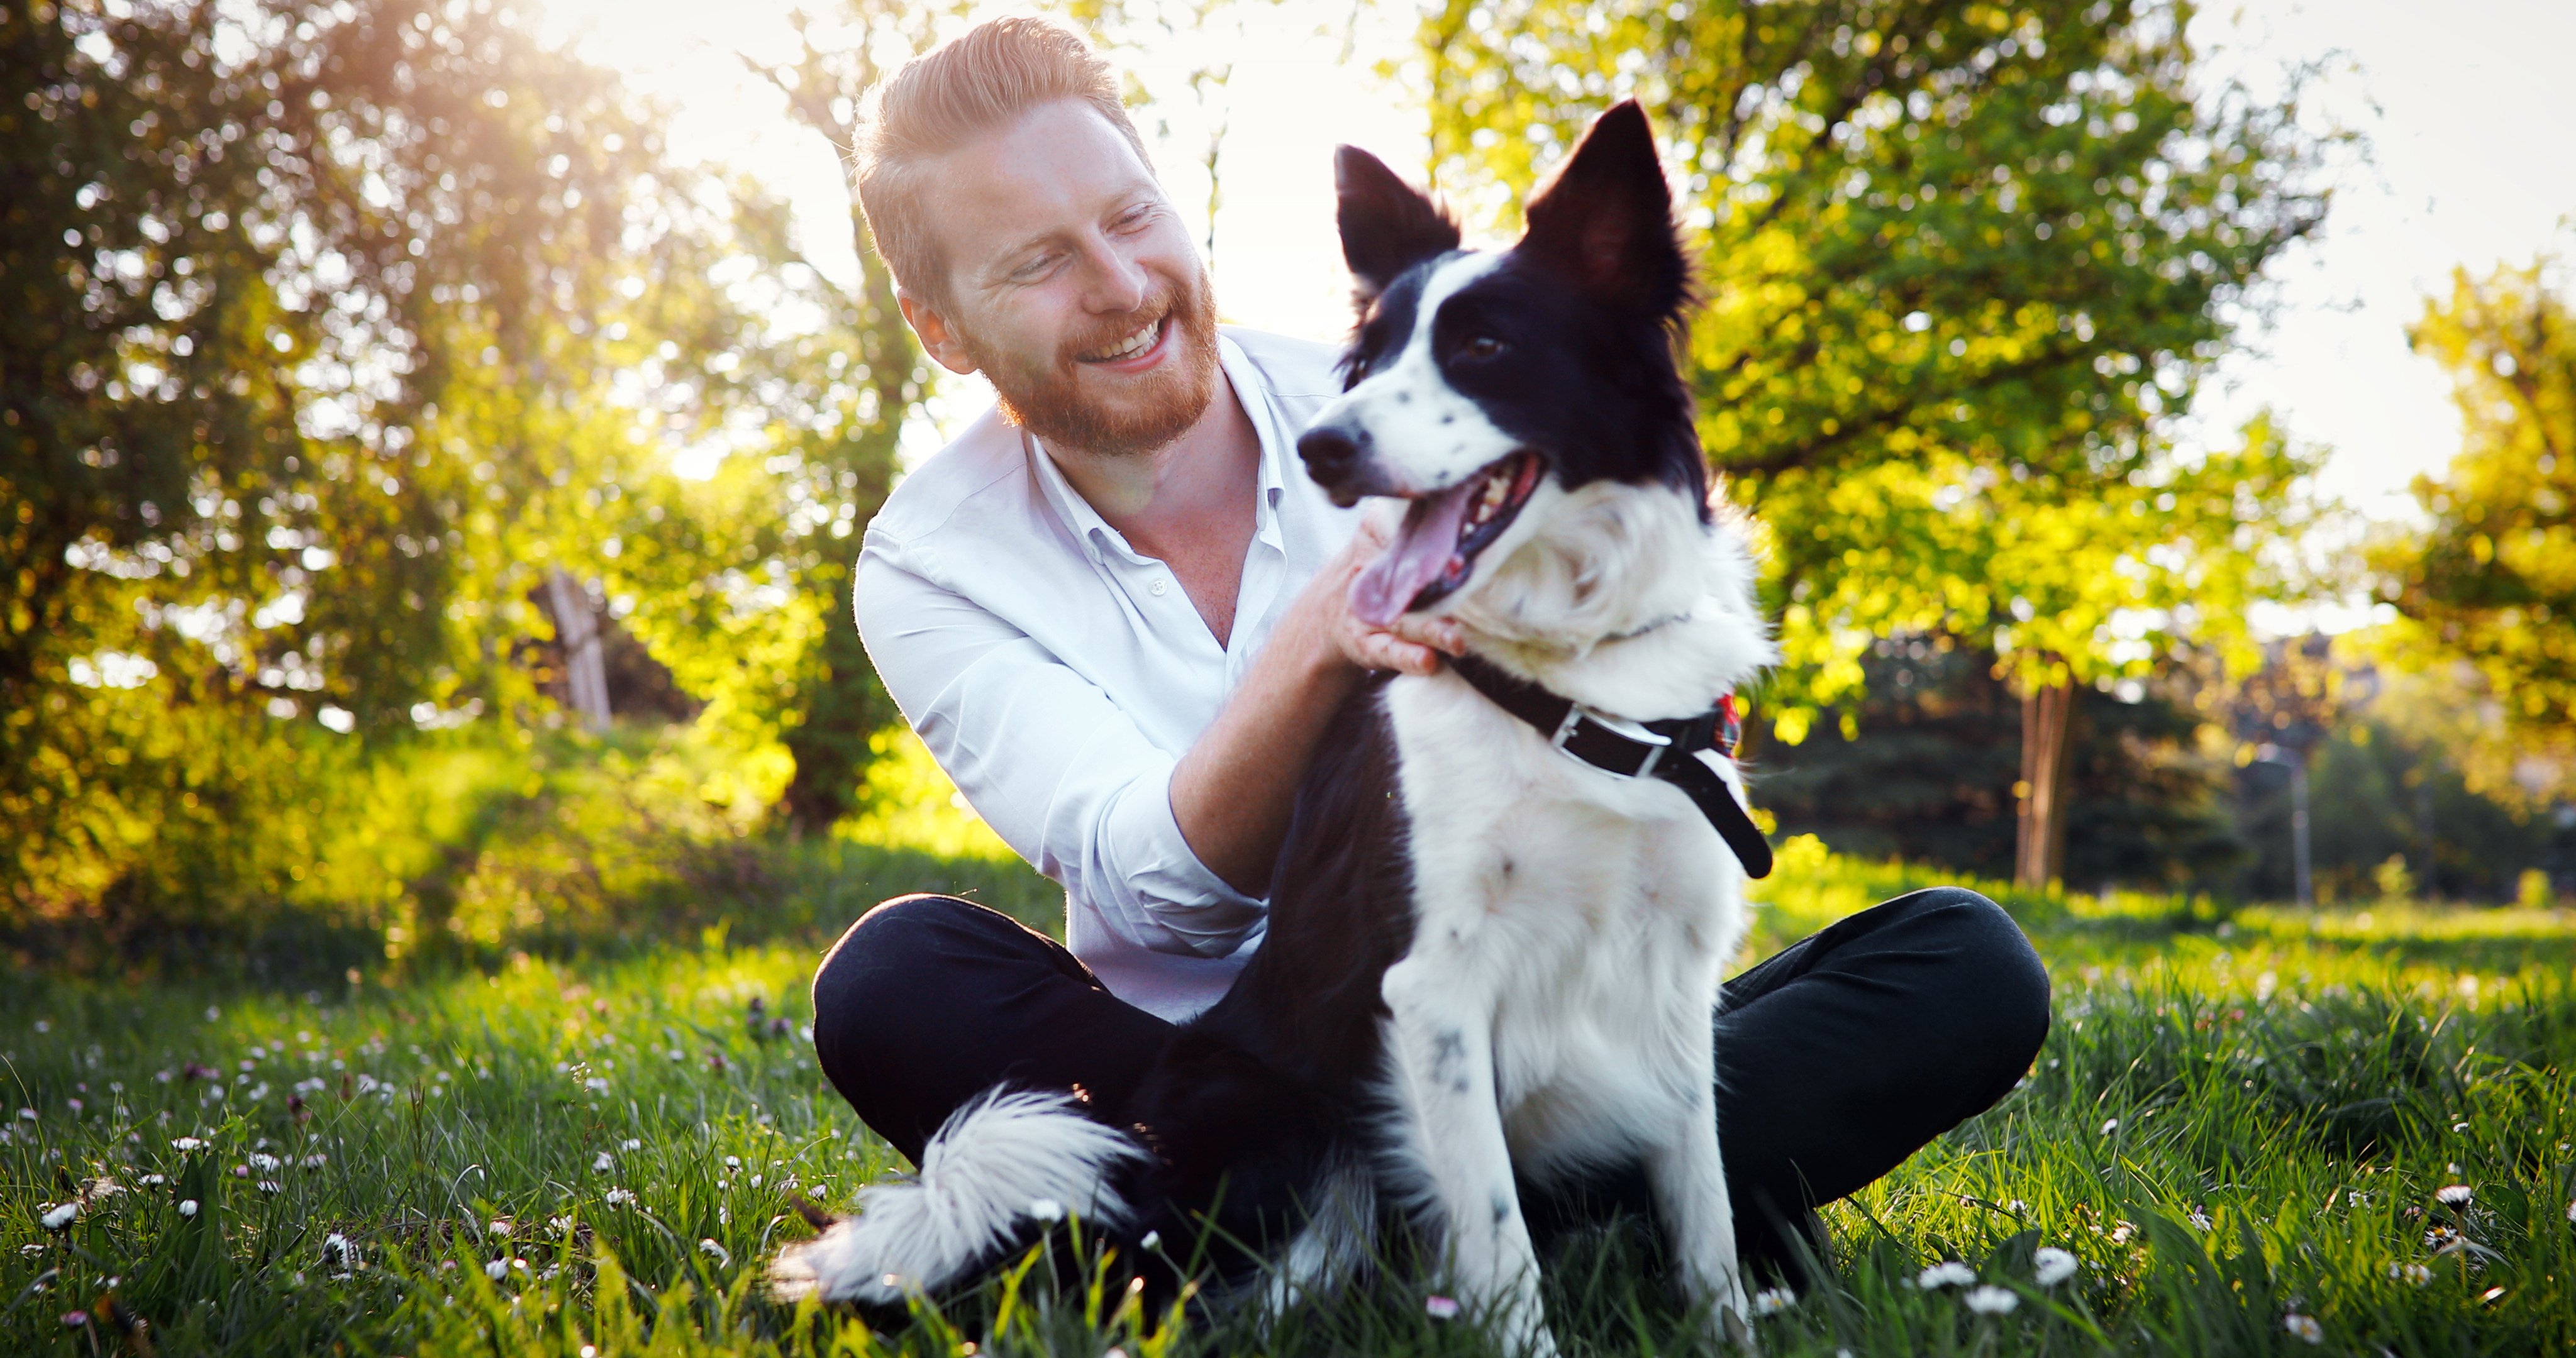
column 435, row 436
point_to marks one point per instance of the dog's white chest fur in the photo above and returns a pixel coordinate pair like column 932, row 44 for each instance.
column 1588, row 914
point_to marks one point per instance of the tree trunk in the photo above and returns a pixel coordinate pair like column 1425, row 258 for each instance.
column 577, row 632
column 2047, row 724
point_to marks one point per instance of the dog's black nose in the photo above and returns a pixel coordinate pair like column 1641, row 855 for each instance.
column 1332, row 454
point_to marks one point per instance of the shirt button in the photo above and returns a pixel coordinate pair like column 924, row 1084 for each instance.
column 1158, row 586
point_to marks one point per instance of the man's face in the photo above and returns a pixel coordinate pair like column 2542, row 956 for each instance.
column 1073, row 287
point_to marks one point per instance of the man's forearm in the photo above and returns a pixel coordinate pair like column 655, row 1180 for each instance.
column 1233, row 792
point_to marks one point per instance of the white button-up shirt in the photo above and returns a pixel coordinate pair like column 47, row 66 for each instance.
column 1058, row 674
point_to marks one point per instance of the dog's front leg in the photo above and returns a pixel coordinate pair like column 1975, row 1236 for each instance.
column 1441, row 1042
column 1688, row 1175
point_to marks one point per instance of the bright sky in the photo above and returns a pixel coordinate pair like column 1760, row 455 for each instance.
column 2465, row 107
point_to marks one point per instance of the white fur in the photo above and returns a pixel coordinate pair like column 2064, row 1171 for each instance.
column 1333, row 1245
column 991, row 1163
column 1571, row 925
column 1425, row 436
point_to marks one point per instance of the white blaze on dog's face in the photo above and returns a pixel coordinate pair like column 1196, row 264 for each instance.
column 1484, row 385
column 1425, row 434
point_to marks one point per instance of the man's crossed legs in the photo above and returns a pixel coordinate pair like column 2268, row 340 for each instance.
column 1837, row 1058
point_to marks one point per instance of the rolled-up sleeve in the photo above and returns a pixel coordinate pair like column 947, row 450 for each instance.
column 1047, row 759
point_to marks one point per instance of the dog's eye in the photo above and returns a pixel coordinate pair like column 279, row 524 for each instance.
column 1484, row 346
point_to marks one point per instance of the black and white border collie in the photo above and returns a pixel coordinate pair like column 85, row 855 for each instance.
column 1485, row 956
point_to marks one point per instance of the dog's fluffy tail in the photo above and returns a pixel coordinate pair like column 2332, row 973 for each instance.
column 1005, row 1162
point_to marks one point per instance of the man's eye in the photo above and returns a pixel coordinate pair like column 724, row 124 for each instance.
column 1134, row 221
column 1033, row 269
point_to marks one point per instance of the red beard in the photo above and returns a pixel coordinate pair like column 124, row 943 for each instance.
column 1044, row 397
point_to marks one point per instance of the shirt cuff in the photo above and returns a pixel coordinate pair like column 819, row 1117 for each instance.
column 1187, row 904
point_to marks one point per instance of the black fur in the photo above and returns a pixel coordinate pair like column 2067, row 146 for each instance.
column 1586, row 310
column 1251, row 1099
column 1387, row 228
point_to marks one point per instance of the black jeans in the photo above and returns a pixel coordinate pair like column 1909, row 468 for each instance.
column 1837, row 1058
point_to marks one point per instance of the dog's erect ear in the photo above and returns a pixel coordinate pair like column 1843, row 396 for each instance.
column 1387, row 225
column 1607, row 217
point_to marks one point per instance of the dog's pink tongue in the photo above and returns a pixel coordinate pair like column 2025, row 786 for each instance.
column 1420, row 552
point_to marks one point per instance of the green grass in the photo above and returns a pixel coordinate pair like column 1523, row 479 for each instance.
column 2236, row 1121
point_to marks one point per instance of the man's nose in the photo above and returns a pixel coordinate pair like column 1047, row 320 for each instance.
column 1117, row 280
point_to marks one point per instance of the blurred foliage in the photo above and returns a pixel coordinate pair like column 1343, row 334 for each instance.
column 482, row 842
column 329, row 330
column 2299, row 695
column 268, row 268
column 912, row 805
column 1929, row 778
column 2393, row 815
column 1960, row 260
column 2490, row 583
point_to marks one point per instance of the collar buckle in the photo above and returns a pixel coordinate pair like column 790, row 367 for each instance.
column 1608, row 743
column 1565, row 729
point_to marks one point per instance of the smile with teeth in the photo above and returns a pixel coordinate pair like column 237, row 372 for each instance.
column 1129, row 347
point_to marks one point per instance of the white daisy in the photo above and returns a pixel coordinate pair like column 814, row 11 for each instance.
column 2051, row 1265
column 1991, row 1300
column 1949, row 1273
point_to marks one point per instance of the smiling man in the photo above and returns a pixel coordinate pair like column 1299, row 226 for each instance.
column 1118, row 614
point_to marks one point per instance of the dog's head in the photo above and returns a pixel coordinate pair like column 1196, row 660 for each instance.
column 1478, row 384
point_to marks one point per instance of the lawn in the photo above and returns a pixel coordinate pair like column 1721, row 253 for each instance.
column 2264, row 1132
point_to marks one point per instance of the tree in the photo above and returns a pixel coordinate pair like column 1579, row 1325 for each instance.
column 1929, row 778
column 2490, row 582
column 1960, row 260
column 319, row 354
column 835, row 396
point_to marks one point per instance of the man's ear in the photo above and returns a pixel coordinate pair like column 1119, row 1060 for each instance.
column 1388, row 226
column 1606, row 218
column 938, row 338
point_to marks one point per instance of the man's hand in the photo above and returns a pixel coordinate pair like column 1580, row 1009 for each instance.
column 1232, row 792
column 1322, row 617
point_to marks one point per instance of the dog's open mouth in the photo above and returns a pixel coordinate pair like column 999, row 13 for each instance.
column 1436, row 546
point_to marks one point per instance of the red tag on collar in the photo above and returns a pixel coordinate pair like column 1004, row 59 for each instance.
column 1730, row 726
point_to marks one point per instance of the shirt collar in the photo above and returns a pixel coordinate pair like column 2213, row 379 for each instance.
column 1252, row 388
column 1267, row 424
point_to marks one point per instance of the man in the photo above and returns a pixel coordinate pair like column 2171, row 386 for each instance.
column 1115, row 610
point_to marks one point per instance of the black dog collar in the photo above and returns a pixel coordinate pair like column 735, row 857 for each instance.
column 1670, row 752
